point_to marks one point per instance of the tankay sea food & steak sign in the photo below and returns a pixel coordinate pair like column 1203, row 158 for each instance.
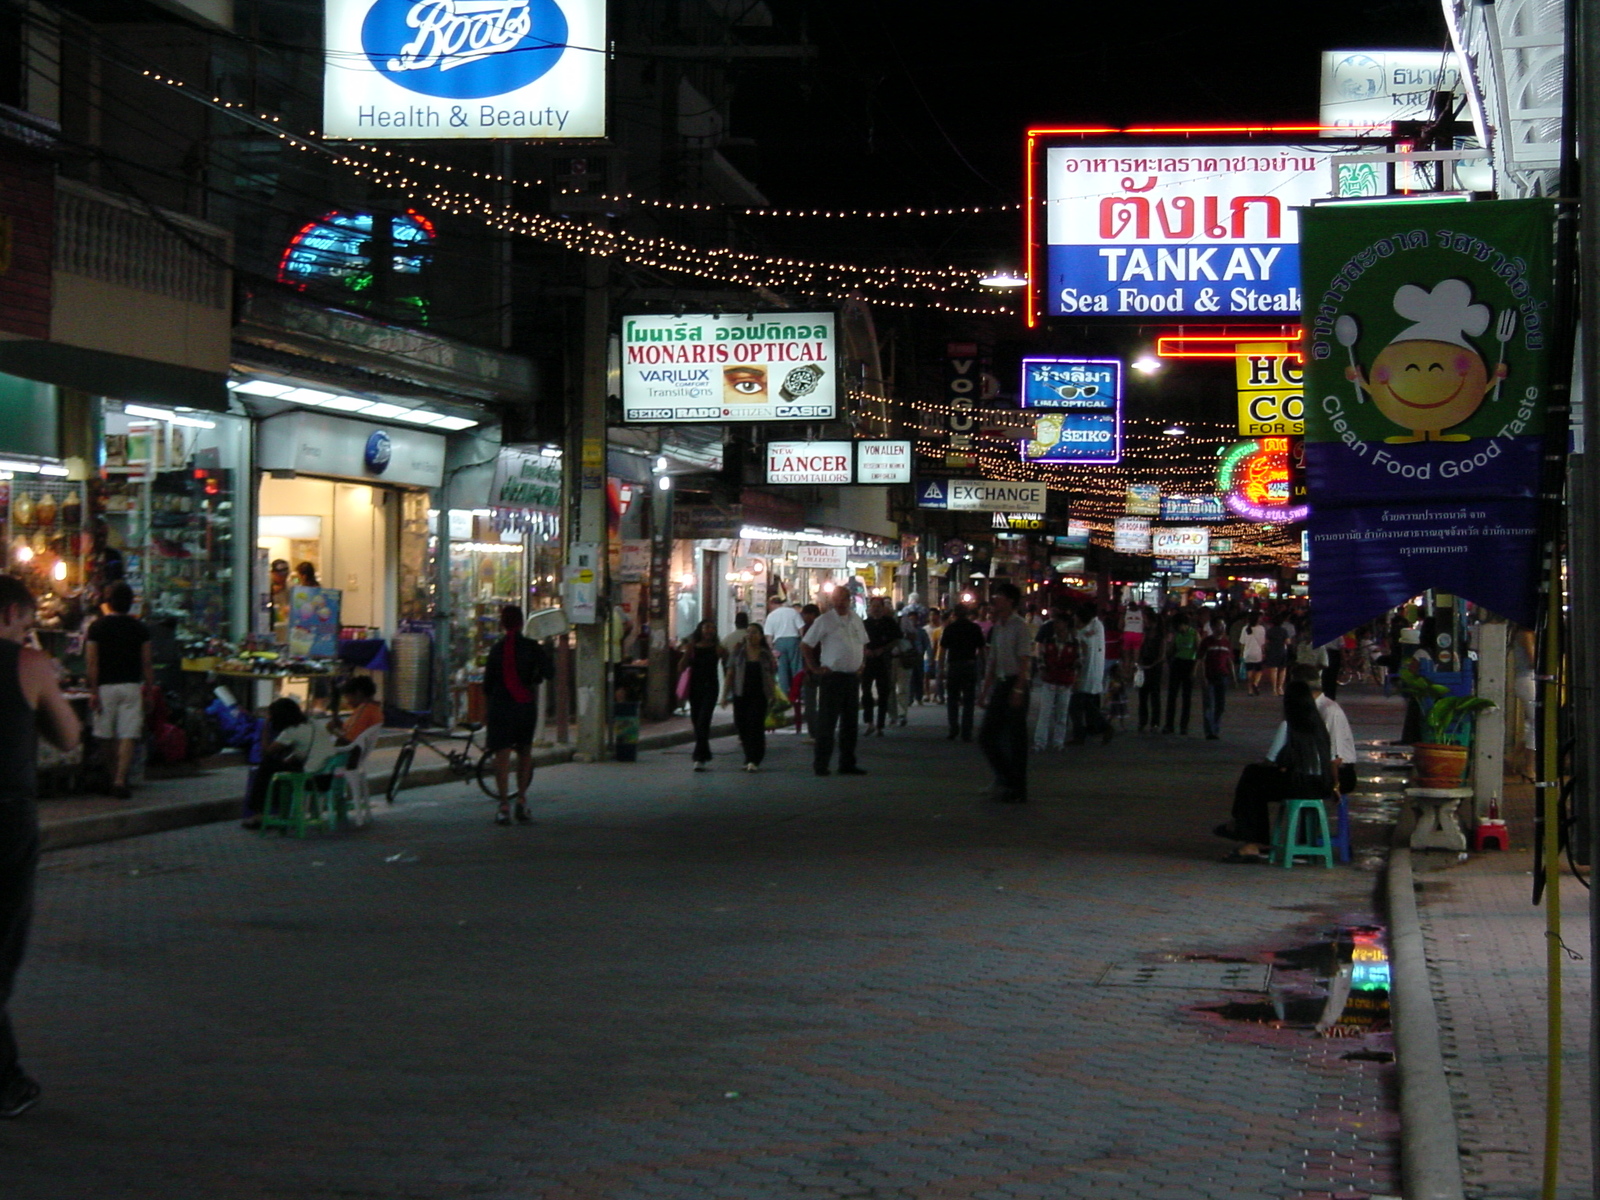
column 1177, row 230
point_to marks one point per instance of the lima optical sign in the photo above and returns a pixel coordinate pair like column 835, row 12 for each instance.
column 417, row 69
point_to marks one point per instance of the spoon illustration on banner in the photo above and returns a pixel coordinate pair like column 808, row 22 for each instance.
column 1347, row 331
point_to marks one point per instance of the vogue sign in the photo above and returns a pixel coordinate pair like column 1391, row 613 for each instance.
column 464, row 69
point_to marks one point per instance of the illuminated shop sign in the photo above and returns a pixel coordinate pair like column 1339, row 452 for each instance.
column 1177, row 230
column 1080, row 403
column 1256, row 480
column 1075, row 437
column 1193, row 508
column 729, row 367
column 1092, row 383
column 1144, row 500
column 1187, row 542
column 1363, row 91
column 425, row 69
column 1271, row 381
column 883, row 462
column 809, row 462
column 1131, row 535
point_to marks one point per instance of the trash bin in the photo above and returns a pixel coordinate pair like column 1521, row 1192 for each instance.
column 626, row 723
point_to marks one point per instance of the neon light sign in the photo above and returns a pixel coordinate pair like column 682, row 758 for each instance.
column 1256, row 483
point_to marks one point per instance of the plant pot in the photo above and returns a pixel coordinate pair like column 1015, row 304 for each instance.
column 1438, row 766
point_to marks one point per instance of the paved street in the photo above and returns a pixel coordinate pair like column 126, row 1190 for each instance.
column 711, row 986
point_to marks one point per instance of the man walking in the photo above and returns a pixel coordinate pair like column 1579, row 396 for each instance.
column 834, row 652
column 118, row 656
column 784, row 626
column 1004, row 736
column 1216, row 668
column 30, row 703
column 960, row 645
column 1085, row 706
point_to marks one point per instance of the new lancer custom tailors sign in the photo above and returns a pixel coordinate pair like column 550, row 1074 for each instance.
column 419, row 69
column 778, row 366
column 1427, row 369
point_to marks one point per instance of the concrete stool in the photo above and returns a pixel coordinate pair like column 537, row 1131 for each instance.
column 1302, row 819
column 1436, row 825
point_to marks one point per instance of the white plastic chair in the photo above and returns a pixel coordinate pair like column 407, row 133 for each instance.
column 355, row 776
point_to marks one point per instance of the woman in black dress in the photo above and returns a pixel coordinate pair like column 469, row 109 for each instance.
column 511, row 676
column 704, row 654
column 752, row 676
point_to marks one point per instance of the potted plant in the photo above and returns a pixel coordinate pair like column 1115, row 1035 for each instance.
column 1440, row 757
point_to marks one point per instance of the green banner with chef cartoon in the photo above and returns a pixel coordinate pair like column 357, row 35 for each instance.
column 1427, row 342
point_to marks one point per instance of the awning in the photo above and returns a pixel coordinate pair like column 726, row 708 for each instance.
column 100, row 373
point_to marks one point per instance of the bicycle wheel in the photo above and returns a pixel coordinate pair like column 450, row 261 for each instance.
column 402, row 767
column 485, row 775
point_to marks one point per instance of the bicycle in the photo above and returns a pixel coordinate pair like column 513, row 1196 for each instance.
column 469, row 760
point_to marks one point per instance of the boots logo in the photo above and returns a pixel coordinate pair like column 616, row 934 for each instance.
column 464, row 49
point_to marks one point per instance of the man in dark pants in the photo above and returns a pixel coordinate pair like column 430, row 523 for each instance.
column 960, row 646
column 834, row 649
column 30, row 703
column 1004, row 736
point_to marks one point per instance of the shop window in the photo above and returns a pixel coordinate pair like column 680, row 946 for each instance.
column 163, row 519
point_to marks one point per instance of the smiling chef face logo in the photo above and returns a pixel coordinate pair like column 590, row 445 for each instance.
column 464, row 49
column 1430, row 378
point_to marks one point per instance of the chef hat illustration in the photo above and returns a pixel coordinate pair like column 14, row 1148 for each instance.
column 1446, row 314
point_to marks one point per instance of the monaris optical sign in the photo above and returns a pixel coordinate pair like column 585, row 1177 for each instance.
column 420, row 69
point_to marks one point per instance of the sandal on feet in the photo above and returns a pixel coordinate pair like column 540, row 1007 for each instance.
column 523, row 816
column 502, row 817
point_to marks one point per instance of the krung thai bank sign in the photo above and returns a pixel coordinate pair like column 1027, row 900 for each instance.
column 418, row 69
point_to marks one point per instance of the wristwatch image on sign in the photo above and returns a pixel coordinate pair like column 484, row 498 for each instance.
column 801, row 381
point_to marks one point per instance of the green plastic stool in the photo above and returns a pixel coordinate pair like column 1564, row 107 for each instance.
column 1302, row 832
column 296, row 804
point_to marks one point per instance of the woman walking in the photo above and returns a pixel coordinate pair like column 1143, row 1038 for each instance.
column 1252, row 650
column 1152, row 662
column 1183, row 646
column 512, row 673
column 704, row 655
column 1275, row 658
column 752, row 674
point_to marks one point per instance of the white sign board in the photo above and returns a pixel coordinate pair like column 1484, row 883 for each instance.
column 883, row 462
column 821, row 558
column 992, row 495
column 779, row 366
column 314, row 443
column 1208, row 231
column 423, row 69
column 1131, row 535
column 1363, row 91
column 808, row 462
column 1189, row 541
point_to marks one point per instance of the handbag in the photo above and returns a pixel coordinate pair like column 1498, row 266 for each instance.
column 1138, row 677
column 683, row 684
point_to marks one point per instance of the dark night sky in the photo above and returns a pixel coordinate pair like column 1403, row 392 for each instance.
column 924, row 103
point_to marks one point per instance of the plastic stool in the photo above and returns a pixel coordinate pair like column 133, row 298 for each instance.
column 1286, row 838
column 1491, row 832
column 291, row 798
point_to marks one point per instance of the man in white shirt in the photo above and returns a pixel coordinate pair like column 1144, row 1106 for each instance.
column 1338, row 725
column 834, row 649
column 784, row 625
column 1004, row 735
column 1084, row 707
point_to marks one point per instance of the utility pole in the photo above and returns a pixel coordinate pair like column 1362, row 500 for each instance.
column 587, row 588
column 1583, row 129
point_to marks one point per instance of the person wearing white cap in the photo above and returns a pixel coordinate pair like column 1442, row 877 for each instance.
column 1430, row 377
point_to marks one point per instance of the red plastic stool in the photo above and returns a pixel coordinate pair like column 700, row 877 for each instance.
column 1491, row 832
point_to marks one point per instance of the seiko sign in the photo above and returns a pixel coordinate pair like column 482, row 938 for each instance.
column 419, row 69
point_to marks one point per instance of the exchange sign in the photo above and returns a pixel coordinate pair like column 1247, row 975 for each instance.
column 1208, row 232
column 729, row 367
column 424, row 69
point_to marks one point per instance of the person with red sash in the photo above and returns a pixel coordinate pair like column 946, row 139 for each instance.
column 511, row 677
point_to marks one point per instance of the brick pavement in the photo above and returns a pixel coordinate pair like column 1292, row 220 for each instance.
column 710, row 986
column 1486, row 959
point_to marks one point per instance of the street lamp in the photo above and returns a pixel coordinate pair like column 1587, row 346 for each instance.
column 1003, row 279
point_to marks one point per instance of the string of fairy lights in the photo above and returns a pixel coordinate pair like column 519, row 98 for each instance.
column 1099, row 493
